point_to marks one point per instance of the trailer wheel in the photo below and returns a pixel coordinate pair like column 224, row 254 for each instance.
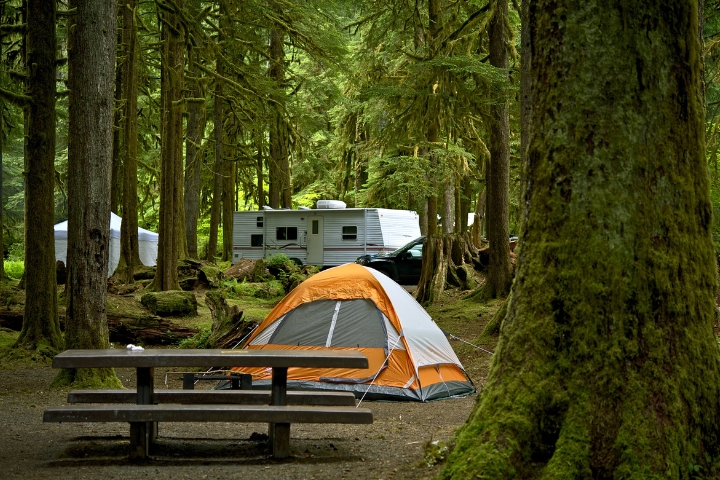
column 297, row 261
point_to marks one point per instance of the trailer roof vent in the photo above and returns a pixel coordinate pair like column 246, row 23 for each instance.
column 267, row 207
column 304, row 208
column 330, row 204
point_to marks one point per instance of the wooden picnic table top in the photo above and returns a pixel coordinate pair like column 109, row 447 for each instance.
column 148, row 358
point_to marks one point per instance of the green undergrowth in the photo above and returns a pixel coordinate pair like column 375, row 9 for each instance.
column 14, row 269
column 269, row 290
column 199, row 340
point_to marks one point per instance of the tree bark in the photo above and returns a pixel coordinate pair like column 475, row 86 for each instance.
column 445, row 257
column 171, row 173
column 259, row 170
column 498, row 174
column 116, row 183
column 525, row 102
column 607, row 365
column 91, row 73
column 228, row 207
column 91, row 63
column 41, row 326
column 3, row 275
column 193, row 161
column 279, row 168
column 218, row 120
column 129, row 248
column 448, row 215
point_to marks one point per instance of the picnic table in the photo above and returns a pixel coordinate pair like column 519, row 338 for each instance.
column 205, row 406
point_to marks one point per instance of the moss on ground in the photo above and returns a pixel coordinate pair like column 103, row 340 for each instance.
column 87, row 378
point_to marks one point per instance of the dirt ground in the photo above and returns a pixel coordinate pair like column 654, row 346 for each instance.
column 392, row 447
column 395, row 446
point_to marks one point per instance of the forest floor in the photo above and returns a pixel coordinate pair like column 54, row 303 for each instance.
column 405, row 441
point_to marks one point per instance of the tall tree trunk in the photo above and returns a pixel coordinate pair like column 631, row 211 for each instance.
column 466, row 193
column 218, row 120
column 41, row 325
column 119, row 111
column 259, row 170
column 129, row 248
column 448, row 205
column 196, row 121
column 432, row 133
column 171, row 175
column 3, row 275
column 525, row 102
column 279, row 167
column 498, row 173
column 91, row 74
column 607, row 364
column 228, row 204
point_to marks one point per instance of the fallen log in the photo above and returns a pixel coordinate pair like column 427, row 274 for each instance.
column 147, row 330
column 11, row 319
column 171, row 303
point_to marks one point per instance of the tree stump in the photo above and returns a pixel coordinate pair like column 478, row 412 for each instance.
column 171, row 303
column 228, row 325
column 447, row 259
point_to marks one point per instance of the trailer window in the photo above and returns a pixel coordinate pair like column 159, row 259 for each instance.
column 349, row 233
column 256, row 240
column 286, row 233
column 315, row 227
column 259, row 222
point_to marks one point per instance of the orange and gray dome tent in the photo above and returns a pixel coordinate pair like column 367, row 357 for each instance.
column 352, row 307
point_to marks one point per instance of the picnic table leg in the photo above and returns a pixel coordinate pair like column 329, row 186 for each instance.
column 143, row 434
column 279, row 433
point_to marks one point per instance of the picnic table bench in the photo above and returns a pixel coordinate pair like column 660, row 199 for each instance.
column 144, row 407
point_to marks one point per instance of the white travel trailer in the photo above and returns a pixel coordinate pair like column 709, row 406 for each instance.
column 328, row 235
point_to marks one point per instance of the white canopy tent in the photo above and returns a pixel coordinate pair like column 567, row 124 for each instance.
column 147, row 244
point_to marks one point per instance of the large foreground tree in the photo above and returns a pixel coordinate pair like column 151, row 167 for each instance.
column 91, row 75
column 607, row 366
column 41, row 325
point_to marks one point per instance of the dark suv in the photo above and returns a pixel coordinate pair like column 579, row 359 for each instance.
column 403, row 265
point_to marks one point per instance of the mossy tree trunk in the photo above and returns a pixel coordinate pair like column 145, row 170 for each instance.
column 498, row 173
column 257, row 136
column 171, row 236
column 3, row 275
column 129, row 247
column 91, row 75
column 607, row 365
column 118, row 112
column 194, row 152
column 280, row 194
column 218, row 120
column 228, row 202
column 41, row 324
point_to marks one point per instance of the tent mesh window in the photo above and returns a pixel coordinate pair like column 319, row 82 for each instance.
column 332, row 323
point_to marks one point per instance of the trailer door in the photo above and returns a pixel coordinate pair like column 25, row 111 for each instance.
column 315, row 242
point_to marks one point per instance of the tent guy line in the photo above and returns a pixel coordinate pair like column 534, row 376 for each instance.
column 465, row 341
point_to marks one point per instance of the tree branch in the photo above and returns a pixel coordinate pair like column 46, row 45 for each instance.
column 14, row 98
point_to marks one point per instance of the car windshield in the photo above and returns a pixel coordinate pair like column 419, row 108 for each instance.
column 415, row 247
